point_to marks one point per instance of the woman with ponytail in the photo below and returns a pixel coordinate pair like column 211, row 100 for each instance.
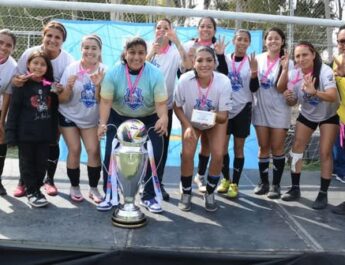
column 271, row 114
column 312, row 85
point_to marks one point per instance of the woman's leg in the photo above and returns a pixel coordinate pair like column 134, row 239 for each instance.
column 328, row 133
column 204, row 156
column 264, row 140
column 91, row 143
column 278, row 137
column 302, row 137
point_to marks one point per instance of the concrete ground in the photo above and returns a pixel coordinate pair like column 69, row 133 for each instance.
column 250, row 225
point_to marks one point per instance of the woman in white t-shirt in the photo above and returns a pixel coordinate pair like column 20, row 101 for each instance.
column 79, row 114
column 271, row 115
column 312, row 85
column 167, row 53
column 7, row 68
column 205, row 90
column 54, row 34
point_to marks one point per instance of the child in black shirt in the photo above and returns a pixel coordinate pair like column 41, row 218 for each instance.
column 32, row 123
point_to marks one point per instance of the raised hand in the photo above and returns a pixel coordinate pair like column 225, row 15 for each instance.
column 309, row 85
column 220, row 45
column 340, row 66
column 97, row 77
column 70, row 81
column 284, row 61
column 253, row 63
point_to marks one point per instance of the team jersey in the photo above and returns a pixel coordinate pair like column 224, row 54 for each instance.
column 312, row 107
column 150, row 89
column 189, row 96
column 59, row 63
column 269, row 106
column 82, row 108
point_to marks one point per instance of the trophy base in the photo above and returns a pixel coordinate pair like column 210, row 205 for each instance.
column 128, row 216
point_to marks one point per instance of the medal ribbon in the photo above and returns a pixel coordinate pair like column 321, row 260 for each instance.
column 270, row 65
column 237, row 71
column 155, row 180
column 131, row 86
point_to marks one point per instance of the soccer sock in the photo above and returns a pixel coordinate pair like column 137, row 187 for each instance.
column 94, row 174
column 202, row 165
column 74, row 176
column 212, row 182
column 324, row 184
column 278, row 168
column 295, row 178
column 237, row 171
column 263, row 169
column 54, row 153
column 186, row 182
column 225, row 168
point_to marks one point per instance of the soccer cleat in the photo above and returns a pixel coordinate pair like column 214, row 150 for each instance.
column 152, row 205
column 199, row 180
column 232, row 191
column 223, row 186
column 293, row 194
column 210, row 202
column 261, row 188
column 274, row 192
column 185, row 203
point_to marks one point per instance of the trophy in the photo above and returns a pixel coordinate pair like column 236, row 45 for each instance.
column 130, row 160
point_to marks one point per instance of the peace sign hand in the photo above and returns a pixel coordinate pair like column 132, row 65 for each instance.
column 97, row 77
column 253, row 63
column 220, row 45
column 284, row 61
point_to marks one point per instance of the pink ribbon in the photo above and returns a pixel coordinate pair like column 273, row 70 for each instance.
column 133, row 87
column 45, row 82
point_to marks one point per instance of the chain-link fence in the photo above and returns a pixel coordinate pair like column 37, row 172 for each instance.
column 27, row 23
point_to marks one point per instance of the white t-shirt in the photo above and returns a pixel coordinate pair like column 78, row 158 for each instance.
column 312, row 107
column 269, row 106
column 59, row 63
column 7, row 70
column 239, row 75
column 82, row 108
column 187, row 95
column 168, row 63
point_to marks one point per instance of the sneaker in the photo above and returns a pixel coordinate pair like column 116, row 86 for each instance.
column 341, row 179
column 105, row 206
column 210, row 202
column 50, row 189
column 223, row 186
column 2, row 190
column 19, row 191
column 75, row 194
column 95, row 195
column 274, row 192
column 185, row 203
column 339, row 209
column 37, row 200
column 232, row 191
column 293, row 194
column 199, row 180
column 261, row 188
column 152, row 205
column 165, row 195
column 321, row 201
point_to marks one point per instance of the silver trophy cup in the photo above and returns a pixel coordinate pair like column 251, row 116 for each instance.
column 131, row 162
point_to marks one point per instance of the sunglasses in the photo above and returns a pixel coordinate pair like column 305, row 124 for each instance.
column 341, row 41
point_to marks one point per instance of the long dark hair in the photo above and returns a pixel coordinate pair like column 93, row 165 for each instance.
column 49, row 73
column 129, row 44
column 214, row 23
column 317, row 61
column 281, row 53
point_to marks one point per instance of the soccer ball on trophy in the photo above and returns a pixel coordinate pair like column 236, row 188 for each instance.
column 132, row 132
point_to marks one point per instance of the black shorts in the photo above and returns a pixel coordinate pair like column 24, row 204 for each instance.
column 313, row 125
column 239, row 126
column 64, row 122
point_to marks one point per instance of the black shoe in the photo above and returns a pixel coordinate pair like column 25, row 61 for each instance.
column 165, row 195
column 292, row 194
column 274, row 192
column 339, row 209
column 2, row 190
column 261, row 188
column 321, row 201
column 37, row 200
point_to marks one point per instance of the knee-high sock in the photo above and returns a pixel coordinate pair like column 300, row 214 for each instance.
column 264, row 163
column 212, row 182
column 202, row 165
column 225, row 168
column 238, row 167
column 74, row 176
column 94, row 174
column 3, row 151
column 278, row 168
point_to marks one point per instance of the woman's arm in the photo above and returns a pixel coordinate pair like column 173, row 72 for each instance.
column 161, row 126
column 66, row 93
column 5, row 104
column 104, row 112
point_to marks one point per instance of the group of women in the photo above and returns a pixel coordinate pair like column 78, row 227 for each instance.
column 217, row 95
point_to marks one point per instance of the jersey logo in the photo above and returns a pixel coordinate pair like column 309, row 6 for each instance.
column 87, row 95
column 134, row 101
column 312, row 100
column 206, row 107
column 236, row 81
column 41, row 103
